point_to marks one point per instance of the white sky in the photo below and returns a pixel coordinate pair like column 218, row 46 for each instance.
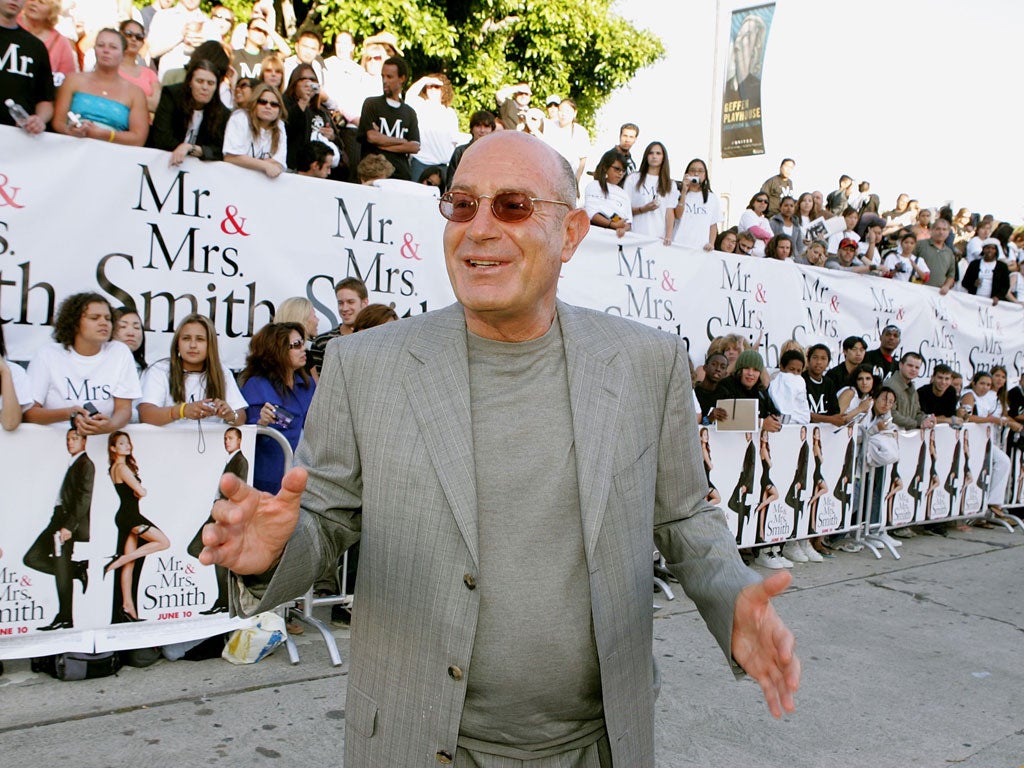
column 914, row 96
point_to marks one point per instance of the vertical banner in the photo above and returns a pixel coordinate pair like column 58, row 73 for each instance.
column 741, row 100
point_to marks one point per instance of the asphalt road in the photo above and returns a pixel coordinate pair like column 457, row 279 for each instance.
column 908, row 663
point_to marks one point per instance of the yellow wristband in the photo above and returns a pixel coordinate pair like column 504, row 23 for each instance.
column 112, row 133
column 181, row 411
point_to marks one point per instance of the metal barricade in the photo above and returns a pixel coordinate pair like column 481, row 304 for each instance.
column 308, row 601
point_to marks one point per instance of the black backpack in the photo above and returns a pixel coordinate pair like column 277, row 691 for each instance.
column 78, row 666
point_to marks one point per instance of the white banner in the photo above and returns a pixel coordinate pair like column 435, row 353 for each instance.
column 231, row 243
column 179, row 469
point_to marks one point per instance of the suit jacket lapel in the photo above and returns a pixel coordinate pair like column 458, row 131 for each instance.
column 438, row 389
column 596, row 384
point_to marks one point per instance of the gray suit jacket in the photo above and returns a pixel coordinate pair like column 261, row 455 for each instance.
column 388, row 445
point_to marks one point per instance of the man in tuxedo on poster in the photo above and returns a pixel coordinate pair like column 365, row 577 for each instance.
column 51, row 552
column 238, row 466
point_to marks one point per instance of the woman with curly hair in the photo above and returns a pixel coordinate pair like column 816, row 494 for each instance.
column 84, row 377
column 279, row 391
column 255, row 137
column 192, row 383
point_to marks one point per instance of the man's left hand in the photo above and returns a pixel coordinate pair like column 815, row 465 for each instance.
column 762, row 644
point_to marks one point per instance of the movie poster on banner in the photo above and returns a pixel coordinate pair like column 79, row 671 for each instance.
column 943, row 474
column 1015, row 485
column 742, row 133
column 213, row 238
column 69, row 575
column 775, row 486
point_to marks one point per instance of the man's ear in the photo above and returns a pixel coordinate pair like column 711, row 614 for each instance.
column 577, row 224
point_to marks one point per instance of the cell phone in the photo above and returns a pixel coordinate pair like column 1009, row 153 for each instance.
column 90, row 408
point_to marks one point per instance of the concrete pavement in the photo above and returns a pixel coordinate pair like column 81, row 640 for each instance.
column 916, row 662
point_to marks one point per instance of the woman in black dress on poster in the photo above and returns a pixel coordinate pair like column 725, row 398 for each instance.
column 820, row 486
column 132, row 528
column 713, row 495
column 769, row 492
column 933, row 474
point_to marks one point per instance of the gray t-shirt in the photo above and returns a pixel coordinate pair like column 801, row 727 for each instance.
column 534, row 686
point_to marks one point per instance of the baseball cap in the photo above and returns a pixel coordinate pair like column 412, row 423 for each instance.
column 553, row 99
column 848, row 242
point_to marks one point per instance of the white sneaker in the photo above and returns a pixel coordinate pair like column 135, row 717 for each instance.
column 793, row 551
column 786, row 562
column 767, row 559
column 812, row 554
column 883, row 536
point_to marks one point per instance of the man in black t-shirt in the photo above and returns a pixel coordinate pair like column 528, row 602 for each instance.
column 821, row 395
column 716, row 368
column 884, row 360
column 938, row 396
column 25, row 74
column 854, row 349
column 387, row 125
column 248, row 60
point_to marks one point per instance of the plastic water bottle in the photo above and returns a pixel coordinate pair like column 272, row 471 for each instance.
column 18, row 113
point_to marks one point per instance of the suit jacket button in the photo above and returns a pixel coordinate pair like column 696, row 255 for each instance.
column 454, row 672
column 444, row 757
column 469, row 581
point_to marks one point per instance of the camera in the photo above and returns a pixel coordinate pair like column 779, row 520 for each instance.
column 693, row 179
column 282, row 417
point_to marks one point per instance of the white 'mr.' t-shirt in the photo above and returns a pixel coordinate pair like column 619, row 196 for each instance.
column 156, row 387
column 62, row 378
column 651, row 223
column 238, row 140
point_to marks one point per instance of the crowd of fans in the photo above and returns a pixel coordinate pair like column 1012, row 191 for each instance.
column 874, row 391
column 261, row 94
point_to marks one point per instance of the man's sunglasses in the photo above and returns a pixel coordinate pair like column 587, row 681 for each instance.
column 506, row 206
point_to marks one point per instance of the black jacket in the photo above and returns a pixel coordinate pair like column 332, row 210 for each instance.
column 1000, row 279
column 171, row 122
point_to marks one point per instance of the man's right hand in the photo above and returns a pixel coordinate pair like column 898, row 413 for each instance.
column 250, row 528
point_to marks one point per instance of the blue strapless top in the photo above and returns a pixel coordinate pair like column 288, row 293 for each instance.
column 100, row 110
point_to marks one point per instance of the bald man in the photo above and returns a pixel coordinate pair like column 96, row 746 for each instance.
column 504, row 611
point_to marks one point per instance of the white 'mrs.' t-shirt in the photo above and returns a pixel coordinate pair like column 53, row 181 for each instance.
column 697, row 219
column 62, row 378
column 156, row 387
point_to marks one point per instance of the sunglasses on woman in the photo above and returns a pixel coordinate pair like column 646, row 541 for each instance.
column 509, row 207
column 267, row 103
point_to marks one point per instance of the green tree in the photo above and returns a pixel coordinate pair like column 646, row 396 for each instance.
column 576, row 48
